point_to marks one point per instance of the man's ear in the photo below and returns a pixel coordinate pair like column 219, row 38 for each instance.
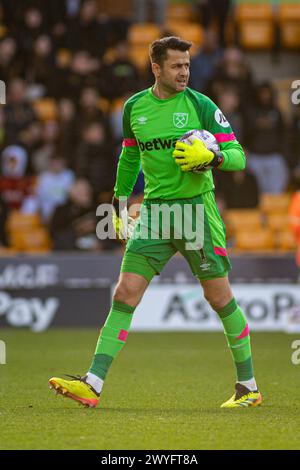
column 155, row 69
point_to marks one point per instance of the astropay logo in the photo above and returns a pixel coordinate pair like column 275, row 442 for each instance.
column 25, row 312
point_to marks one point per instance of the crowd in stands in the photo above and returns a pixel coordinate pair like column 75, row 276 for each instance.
column 68, row 71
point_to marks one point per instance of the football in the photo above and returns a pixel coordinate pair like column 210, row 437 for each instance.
column 209, row 140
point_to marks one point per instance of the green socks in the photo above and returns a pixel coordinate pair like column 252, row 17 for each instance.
column 112, row 338
column 236, row 330
column 115, row 331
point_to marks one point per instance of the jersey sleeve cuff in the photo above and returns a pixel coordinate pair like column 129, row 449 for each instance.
column 218, row 159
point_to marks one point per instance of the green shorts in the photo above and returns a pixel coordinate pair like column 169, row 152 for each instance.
column 192, row 227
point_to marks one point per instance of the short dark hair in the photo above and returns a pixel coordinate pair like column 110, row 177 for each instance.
column 159, row 48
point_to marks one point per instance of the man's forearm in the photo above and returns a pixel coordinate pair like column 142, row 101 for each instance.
column 234, row 157
column 127, row 172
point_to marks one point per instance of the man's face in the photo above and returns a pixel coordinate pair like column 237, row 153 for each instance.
column 174, row 73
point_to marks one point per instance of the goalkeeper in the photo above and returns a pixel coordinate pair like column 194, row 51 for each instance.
column 153, row 121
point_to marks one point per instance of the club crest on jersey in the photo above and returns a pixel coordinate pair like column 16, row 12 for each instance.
column 180, row 119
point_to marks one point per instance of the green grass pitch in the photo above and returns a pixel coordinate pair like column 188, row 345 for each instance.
column 163, row 392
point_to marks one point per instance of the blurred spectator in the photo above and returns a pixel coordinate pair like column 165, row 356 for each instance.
column 31, row 137
column 57, row 16
column 73, row 225
column 204, row 62
column 72, row 8
column 120, row 76
column 11, row 64
column 2, row 125
column 51, row 189
column 33, row 26
column 153, row 10
column 12, row 14
column 94, row 158
column 83, row 73
column 266, row 140
column 89, row 110
column 229, row 103
column 294, row 138
column 60, row 87
column 215, row 11
column 86, row 33
column 41, row 70
column 239, row 189
column 3, row 220
column 233, row 71
column 68, row 138
column 15, row 186
column 18, row 111
column 41, row 157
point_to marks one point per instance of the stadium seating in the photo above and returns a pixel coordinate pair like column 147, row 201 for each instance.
column 289, row 22
column 277, row 221
column 26, row 233
column 244, row 219
column 117, row 8
column 180, row 12
column 143, row 34
column 139, row 56
column 139, row 37
column 18, row 222
column 35, row 240
column 260, row 240
column 286, row 241
column 274, row 203
column 255, row 25
column 189, row 31
column 262, row 229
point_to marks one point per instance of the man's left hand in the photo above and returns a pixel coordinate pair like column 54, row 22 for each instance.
column 194, row 156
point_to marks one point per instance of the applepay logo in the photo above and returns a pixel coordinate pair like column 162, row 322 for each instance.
column 33, row 313
column 2, row 352
column 2, row 92
column 180, row 119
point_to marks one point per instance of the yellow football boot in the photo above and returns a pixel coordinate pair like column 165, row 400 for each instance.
column 77, row 389
column 243, row 398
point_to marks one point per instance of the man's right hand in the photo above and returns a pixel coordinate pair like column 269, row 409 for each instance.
column 122, row 222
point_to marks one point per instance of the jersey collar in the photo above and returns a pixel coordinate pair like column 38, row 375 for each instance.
column 166, row 100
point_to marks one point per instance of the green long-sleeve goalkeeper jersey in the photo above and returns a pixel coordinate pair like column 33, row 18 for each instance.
column 151, row 127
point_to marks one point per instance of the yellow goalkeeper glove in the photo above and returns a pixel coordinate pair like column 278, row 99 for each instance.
column 122, row 222
column 195, row 157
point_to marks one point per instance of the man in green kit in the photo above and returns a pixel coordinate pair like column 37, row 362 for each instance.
column 175, row 173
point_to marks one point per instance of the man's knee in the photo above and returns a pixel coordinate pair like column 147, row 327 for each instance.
column 217, row 293
column 123, row 292
column 218, row 300
column 129, row 290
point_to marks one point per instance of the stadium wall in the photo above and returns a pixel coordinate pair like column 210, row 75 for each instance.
column 74, row 290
